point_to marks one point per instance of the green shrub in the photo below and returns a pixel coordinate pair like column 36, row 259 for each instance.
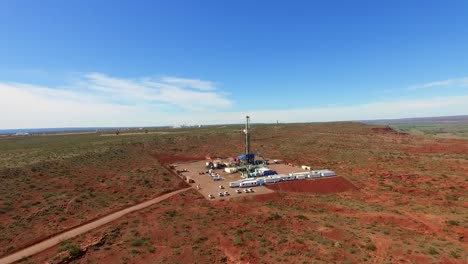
column 302, row 217
column 432, row 251
column 74, row 251
column 138, row 242
column 274, row 216
column 454, row 254
column 370, row 246
column 452, row 222
column 171, row 213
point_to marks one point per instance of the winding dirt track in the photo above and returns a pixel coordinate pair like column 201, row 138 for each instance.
column 45, row 244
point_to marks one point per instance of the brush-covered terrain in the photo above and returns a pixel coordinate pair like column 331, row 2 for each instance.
column 410, row 205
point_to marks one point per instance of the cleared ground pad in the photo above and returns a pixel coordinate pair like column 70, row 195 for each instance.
column 322, row 185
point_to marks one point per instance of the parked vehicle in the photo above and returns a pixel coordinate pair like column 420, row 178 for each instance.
column 221, row 194
column 211, row 196
column 221, row 187
column 251, row 190
column 226, row 193
column 238, row 191
column 246, row 190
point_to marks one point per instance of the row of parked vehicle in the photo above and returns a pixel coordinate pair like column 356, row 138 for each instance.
column 226, row 193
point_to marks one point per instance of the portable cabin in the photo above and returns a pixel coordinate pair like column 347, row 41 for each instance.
column 305, row 173
column 272, row 179
column 234, row 184
column 246, row 184
column 327, row 173
column 314, row 176
column 285, row 177
column 301, row 177
column 324, row 173
column 230, row 169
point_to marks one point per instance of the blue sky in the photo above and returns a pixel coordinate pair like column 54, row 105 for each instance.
column 142, row 63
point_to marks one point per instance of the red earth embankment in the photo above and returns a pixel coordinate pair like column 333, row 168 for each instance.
column 324, row 186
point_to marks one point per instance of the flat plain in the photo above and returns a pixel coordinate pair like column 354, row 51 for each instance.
column 409, row 204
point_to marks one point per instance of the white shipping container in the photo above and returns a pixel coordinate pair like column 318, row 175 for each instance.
column 328, row 174
column 305, row 173
column 288, row 177
column 314, row 176
column 272, row 180
column 300, row 177
column 234, row 184
column 260, row 179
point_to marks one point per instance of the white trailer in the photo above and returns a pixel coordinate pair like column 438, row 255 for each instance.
column 328, row 173
column 325, row 173
column 246, row 184
column 260, row 179
column 230, row 169
column 272, row 179
column 314, row 176
column 305, row 173
column 234, row 184
column 289, row 177
column 300, row 177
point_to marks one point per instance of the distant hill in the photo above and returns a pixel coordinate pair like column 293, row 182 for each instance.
column 461, row 119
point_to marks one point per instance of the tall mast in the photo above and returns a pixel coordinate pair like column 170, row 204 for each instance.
column 247, row 135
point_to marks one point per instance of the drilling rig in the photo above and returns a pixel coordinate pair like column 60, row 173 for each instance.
column 249, row 157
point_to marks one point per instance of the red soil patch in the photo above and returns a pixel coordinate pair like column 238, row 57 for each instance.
column 445, row 146
column 266, row 197
column 326, row 185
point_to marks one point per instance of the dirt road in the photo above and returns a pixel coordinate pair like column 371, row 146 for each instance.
column 45, row 244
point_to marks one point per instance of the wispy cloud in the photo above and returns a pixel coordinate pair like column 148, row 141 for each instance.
column 190, row 83
column 170, row 91
column 458, row 82
column 96, row 99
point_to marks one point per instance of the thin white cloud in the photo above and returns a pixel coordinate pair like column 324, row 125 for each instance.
column 146, row 90
column 29, row 106
column 190, row 83
column 459, row 82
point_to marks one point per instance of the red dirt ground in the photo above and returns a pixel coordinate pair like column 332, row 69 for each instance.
column 324, row 186
column 165, row 158
column 387, row 130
